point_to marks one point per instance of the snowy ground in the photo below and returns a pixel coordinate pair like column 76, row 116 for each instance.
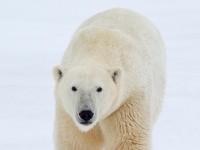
column 33, row 37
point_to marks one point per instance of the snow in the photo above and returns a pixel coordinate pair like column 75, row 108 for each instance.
column 33, row 37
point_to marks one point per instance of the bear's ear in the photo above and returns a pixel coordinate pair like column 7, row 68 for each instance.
column 58, row 72
column 115, row 74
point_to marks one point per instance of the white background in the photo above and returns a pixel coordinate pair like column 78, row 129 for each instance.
column 33, row 37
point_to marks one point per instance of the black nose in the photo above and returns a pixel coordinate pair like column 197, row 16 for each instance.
column 86, row 115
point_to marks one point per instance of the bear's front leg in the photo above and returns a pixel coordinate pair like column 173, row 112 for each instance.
column 69, row 137
column 129, row 127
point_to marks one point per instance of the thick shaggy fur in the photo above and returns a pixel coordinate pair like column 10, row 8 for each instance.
column 122, row 40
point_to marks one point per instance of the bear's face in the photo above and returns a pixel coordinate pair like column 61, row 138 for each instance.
column 86, row 93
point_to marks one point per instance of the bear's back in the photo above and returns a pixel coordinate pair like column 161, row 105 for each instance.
column 144, row 35
column 127, row 21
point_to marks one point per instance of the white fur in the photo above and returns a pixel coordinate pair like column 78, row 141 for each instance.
column 116, row 40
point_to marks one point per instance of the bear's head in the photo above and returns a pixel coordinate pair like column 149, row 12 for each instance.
column 87, row 94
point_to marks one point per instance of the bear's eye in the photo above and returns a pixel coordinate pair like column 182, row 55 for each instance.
column 74, row 88
column 99, row 89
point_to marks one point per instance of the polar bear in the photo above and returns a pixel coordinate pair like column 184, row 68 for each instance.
column 110, row 84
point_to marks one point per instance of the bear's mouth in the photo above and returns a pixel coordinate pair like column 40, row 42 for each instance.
column 85, row 122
